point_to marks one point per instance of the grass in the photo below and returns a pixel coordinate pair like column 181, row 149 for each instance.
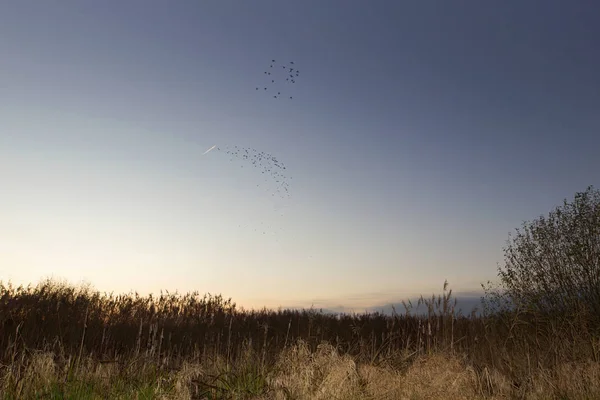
column 61, row 342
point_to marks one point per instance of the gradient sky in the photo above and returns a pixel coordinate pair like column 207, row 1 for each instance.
column 420, row 135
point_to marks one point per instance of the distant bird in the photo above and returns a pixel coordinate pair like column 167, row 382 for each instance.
column 291, row 72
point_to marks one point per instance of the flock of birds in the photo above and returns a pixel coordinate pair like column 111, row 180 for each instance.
column 279, row 79
column 269, row 166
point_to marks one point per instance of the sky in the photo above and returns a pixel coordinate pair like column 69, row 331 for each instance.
column 419, row 135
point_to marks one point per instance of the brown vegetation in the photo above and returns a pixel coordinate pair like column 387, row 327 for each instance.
column 190, row 346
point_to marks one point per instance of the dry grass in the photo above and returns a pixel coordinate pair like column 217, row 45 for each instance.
column 300, row 374
column 58, row 341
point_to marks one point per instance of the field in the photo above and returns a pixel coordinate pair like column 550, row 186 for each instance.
column 58, row 341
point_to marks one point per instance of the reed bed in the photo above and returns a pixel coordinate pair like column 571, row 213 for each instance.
column 57, row 339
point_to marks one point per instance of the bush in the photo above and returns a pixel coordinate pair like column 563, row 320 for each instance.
column 552, row 264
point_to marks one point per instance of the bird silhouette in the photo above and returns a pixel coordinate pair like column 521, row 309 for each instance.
column 290, row 74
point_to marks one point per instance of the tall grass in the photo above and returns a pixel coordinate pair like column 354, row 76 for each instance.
column 75, row 330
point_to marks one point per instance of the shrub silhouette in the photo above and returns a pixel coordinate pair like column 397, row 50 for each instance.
column 552, row 264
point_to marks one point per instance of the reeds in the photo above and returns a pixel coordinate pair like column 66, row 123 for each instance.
column 84, row 332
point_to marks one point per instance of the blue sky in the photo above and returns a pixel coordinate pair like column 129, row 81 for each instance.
column 419, row 135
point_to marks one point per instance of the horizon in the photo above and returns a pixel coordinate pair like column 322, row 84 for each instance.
column 138, row 151
column 466, row 302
